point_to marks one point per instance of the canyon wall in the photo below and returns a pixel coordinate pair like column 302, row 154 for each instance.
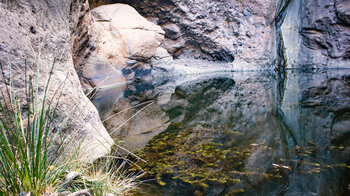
column 35, row 33
column 228, row 31
column 315, row 33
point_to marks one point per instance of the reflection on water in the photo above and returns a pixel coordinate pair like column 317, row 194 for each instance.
column 238, row 132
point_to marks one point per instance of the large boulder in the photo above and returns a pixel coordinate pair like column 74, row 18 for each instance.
column 115, row 36
column 35, row 33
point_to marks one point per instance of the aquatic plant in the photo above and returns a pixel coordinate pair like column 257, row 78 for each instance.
column 199, row 156
column 191, row 156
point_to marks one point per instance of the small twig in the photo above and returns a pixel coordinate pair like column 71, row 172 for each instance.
column 82, row 192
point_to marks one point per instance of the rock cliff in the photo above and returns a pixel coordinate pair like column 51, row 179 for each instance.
column 216, row 30
column 111, row 44
column 35, row 33
column 315, row 33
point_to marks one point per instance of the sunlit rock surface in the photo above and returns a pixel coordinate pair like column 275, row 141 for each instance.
column 113, row 40
column 39, row 33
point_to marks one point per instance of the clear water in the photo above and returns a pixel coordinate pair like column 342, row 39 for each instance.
column 237, row 133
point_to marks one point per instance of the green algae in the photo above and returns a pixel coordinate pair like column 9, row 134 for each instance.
column 192, row 156
column 199, row 156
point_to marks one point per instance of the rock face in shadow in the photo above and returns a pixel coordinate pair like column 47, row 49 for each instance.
column 316, row 34
column 37, row 32
column 215, row 30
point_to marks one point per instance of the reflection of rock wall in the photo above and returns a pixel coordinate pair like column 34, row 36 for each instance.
column 302, row 130
column 136, row 126
column 320, row 101
column 316, row 110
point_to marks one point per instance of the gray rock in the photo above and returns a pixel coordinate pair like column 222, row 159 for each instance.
column 100, row 74
column 37, row 32
column 218, row 30
column 343, row 10
column 172, row 31
column 162, row 54
column 172, row 46
column 316, row 34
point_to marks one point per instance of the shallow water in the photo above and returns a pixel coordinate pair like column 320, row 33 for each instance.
column 244, row 133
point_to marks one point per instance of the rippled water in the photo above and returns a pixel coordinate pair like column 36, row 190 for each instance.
column 244, row 133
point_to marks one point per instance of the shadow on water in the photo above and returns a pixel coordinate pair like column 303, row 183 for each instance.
column 237, row 133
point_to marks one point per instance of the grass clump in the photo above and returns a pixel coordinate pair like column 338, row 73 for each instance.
column 28, row 145
column 32, row 144
column 107, row 176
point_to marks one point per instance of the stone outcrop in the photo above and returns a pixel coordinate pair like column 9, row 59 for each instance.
column 35, row 33
column 110, row 39
column 342, row 8
column 216, row 30
column 316, row 34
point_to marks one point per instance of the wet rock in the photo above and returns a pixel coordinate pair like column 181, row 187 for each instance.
column 37, row 32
